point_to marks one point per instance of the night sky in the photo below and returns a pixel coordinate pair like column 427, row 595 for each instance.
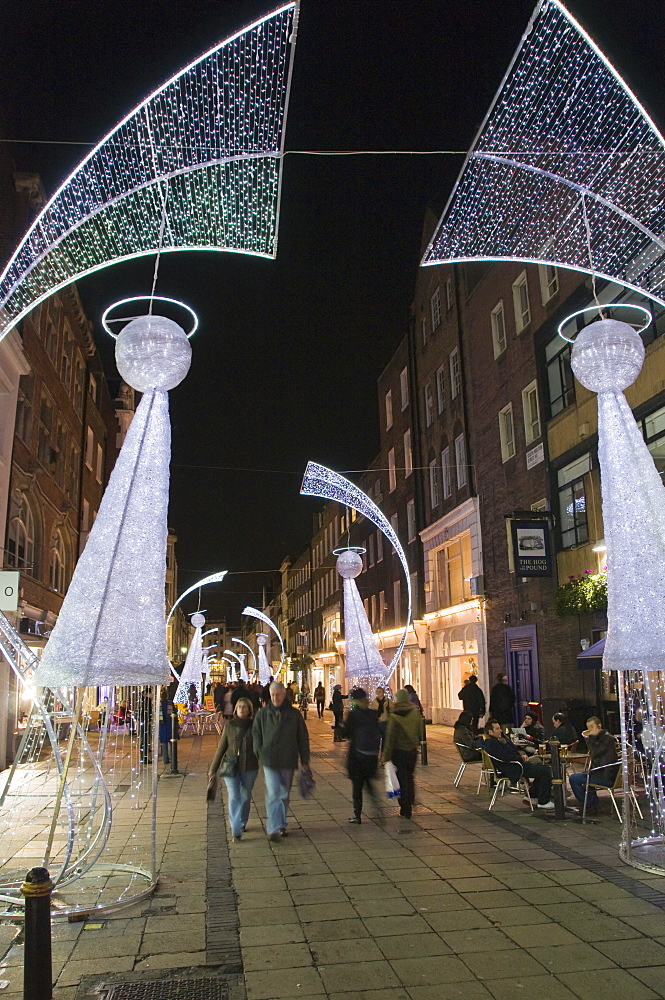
column 285, row 363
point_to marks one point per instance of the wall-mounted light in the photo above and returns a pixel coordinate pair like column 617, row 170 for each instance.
column 599, row 546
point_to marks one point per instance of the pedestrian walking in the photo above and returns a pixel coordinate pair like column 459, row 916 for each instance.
column 361, row 728
column 413, row 697
column 337, row 706
column 381, row 706
column 280, row 737
column 166, row 712
column 473, row 700
column 320, row 699
column 502, row 701
column 238, row 763
column 401, row 747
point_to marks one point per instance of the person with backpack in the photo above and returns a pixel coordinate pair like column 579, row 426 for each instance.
column 361, row 728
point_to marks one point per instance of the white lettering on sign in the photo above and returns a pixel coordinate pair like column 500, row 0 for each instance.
column 535, row 456
column 9, row 584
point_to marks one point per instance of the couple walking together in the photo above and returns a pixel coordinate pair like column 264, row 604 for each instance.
column 276, row 738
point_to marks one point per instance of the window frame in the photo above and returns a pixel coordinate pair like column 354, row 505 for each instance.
column 522, row 315
column 446, row 473
column 499, row 310
column 433, row 486
column 429, row 404
column 549, row 286
column 460, row 461
column 408, row 454
column 411, row 520
column 531, row 392
column 455, row 373
column 392, row 474
column 507, row 441
column 404, row 387
column 435, row 309
column 389, row 409
column 440, row 378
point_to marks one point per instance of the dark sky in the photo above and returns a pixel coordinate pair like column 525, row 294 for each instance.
column 286, row 360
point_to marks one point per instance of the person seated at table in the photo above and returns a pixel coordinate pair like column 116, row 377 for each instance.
column 604, row 765
column 564, row 731
column 465, row 740
column 512, row 763
column 534, row 730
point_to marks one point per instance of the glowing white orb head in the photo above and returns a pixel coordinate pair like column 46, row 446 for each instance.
column 262, row 638
column 153, row 352
column 198, row 620
column 349, row 564
column 607, row 356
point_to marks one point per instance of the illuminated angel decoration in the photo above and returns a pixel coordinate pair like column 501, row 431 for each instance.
column 196, row 166
column 193, row 665
column 322, row 482
column 265, row 671
column 363, row 663
column 567, row 167
column 255, row 613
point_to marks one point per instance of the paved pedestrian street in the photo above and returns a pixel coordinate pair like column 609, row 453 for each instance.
column 457, row 904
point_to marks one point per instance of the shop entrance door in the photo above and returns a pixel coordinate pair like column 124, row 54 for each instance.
column 522, row 667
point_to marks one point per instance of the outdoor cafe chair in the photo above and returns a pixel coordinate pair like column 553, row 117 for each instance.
column 501, row 780
column 614, row 789
column 463, row 766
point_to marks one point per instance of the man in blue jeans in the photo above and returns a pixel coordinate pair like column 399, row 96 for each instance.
column 280, row 736
column 604, row 765
column 513, row 765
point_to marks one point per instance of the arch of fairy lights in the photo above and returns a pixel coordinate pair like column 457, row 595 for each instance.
column 196, row 166
column 255, row 613
column 322, row 482
column 567, row 167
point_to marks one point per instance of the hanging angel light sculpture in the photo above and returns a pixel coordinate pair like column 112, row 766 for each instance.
column 364, row 666
column 193, row 665
column 265, row 672
column 607, row 357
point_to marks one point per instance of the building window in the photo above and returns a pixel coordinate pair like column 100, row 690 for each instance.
column 521, row 303
column 392, row 478
column 26, row 390
column 455, row 376
column 653, row 429
column 389, row 409
column 382, row 608
column 423, row 329
column 60, row 454
column 57, row 567
column 453, row 571
column 435, row 304
column 498, row 320
column 394, row 523
column 404, row 387
column 560, row 381
column 433, row 486
column 531, row 412
column 45, row 451
column 429, row 405
column 449, row 295
column 507, row 432
column 370, row 550
column 79, row 376
column 66, row 361
column 572, row 501
column 85, row 517
column 408, row 455
column 89, row 447
column 460, row 461
column 549, row 282
column 440, row 388
column 52, row 341
column 397, row 601
column 379, row 546
column 445, row 473
column 411, row 520
column 73, row 473
column 21, row 540
column 99, row 464
column 92, row 388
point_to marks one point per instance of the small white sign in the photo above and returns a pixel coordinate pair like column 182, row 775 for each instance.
column 535, row 456
column 9, row 581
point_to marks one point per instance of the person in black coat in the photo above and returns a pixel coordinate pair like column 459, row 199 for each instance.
column 564, row 731
column 337, row 705
column 512, row 764
column 464, row 739
column 473, row 700
column 361, row 728
column 502, row 701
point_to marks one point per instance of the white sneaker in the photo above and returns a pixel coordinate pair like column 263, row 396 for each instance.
column 547, row 805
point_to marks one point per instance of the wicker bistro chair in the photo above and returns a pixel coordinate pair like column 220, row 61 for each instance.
column 501, row 781
column 615, row 789
column 463, row 767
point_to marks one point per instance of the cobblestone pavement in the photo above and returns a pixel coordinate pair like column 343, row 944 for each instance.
column 457, row 904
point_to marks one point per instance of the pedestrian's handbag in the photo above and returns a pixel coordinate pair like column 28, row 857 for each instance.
column 307, row 783
column 392, row 784
column 229, row 766
column 211, row 791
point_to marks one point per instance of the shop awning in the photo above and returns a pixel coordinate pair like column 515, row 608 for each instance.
column 592, row 658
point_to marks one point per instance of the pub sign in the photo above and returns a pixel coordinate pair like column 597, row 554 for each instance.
column 531, row 547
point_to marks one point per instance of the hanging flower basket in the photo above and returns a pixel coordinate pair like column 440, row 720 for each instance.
column 583, row 595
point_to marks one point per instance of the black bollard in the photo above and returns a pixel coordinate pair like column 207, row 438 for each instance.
column 423, row 742
column 37, row 971
column 558, row 791
column 174, row 741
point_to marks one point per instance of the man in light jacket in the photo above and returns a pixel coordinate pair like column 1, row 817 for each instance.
column 401, row 747
column 280, row 736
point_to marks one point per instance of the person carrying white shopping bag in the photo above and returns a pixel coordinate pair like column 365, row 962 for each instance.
column 401, row 748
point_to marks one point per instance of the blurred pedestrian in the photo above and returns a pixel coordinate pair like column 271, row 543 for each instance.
column 361, row 728
column 502, row 701
column 166, row 712
column 320, row 699
column 280, row 737
column 337, row 705
column 413, row 697
column 473, row 700
column 239, row 765
column 401, row 747
column 381, row 706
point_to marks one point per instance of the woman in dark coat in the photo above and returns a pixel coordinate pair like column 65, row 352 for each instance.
column 361, row 728
column 236, row 748
column 338, row 709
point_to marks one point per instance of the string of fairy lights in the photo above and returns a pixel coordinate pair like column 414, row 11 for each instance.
column 202, row 153
column 582, row 161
